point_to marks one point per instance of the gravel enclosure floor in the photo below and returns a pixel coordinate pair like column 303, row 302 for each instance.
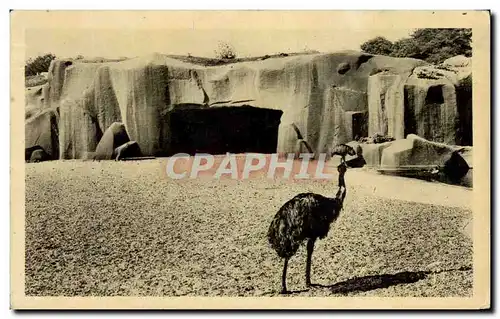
column 123, row 228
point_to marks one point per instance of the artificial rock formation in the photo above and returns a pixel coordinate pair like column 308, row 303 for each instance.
column 42, row 132
column 332, row 98
column 372, row 153
column 434, row 102
column 39, row 156
column 114, row 137
column 127, row 150
column 414, row 152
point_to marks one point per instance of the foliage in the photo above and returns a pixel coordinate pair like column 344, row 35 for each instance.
column 437, row 45
column 39, row 64
column 406, row 48
column 225, row 51
column 378, row 45
column 431, row 45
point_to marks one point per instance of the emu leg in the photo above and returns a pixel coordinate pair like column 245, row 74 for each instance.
column 310, row 248
column 283, row 278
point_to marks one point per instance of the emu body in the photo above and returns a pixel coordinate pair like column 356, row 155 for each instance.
column 305, row 216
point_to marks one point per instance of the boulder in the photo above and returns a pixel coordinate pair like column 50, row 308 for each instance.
column 415, row 152
column 468, row 179
column 129, row 149
column 39, row 155
column 458, row 61
column 29, row 150
column 456, row 168
column 372, row 153
column 115, row 136
column 41, row 132
column 466, row 153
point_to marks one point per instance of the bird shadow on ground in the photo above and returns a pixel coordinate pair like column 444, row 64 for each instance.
column 361, row 284
column 367, row 283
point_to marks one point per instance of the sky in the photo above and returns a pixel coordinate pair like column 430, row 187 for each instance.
column 114, row 43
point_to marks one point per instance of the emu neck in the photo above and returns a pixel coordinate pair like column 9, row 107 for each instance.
column 341, row 180
column 341, row 192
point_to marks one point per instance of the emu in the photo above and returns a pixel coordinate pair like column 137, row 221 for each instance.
column 305, row 216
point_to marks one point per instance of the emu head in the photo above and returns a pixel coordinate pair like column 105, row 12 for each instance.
column 342, row 168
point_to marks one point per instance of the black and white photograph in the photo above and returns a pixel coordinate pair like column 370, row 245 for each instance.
column 275, row 155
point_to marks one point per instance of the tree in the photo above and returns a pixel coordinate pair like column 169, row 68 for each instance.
column 225, row 51
column 431, row 45
column 378, row 45
column 39, row 64
column 437, row 45
column 407, row 48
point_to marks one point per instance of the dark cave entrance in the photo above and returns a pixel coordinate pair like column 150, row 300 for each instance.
column 223, row 129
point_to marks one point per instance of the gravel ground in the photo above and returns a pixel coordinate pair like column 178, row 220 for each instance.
column 123, row 228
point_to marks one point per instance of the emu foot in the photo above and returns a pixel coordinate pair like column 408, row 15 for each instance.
column 284, row 292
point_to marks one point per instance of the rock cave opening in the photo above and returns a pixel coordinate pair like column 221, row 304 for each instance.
column 222, row 129
column 434, row 95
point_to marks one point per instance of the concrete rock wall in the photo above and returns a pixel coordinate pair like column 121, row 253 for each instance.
column 327, row 96
column 434, row 102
